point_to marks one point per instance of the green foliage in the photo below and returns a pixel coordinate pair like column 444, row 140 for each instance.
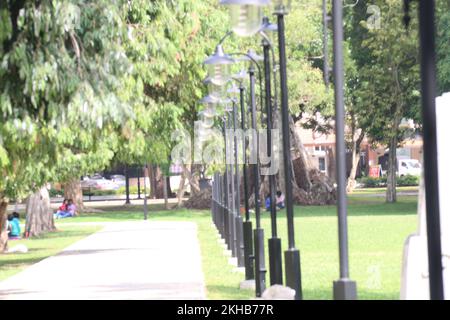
column 443, row 46
column 85, row 83
column 408, row 181
column 403, row 181
column 371, row 182
column 62, row 64
column 385, row 87
column 307, row 91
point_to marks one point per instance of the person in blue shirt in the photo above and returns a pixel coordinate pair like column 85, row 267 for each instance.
column 14, row 225
column 268, row 202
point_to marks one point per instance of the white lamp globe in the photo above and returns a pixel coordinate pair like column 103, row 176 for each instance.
column 246, row 15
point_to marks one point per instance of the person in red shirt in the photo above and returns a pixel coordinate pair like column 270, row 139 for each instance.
column 62, row 208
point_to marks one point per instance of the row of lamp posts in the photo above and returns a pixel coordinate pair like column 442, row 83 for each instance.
column 247, row 245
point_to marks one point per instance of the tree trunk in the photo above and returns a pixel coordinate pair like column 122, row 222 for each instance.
column 304, row 179
column 310, row 186
column 356, row 155
column 3, row 225
column 39, row 216
column 181, row 187
column 351, row 182
column 72, row 190
column 193, row 177
column 280, row 153
column 153, row 182
column 391, row 190
column 166, row 201
column 168, row 187
column 331, row 164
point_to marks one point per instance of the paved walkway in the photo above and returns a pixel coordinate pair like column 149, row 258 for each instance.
column 126, row 260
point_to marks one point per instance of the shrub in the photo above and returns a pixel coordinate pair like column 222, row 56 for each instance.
column 408, row 181
column 405, row 181
column 371, row 182
column 54, row 193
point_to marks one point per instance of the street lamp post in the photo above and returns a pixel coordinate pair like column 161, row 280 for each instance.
column 260, row 282
column 344, row 288
column 428, row 75
column 127, row 185
column 234, row 93
column 292, row 255
column 220, row 201
column 275, row 260
column 247, row 225
column 145, row 193
column 246, row 18
column 232, row 202
column 225, row 181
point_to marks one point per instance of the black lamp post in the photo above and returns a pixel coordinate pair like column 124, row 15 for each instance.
column 292, row 255
column 344, row 288
column 127, row 185
column 145, row 193
column 217, row 72
column 234, row 92
column 428, row 75
column 275, row 257
column 247, row 225
column 226, row 211
column 258, row 232
column 232, row 193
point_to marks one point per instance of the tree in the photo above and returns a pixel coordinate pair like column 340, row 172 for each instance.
column 62, row 64
column 443, row 46
column 388, row 79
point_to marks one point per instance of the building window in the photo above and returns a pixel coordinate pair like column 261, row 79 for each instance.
column 322, row 164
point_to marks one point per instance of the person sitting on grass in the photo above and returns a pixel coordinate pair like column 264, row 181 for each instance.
column 14, row 226
column 71, row 208
column 268, row 202
column 69, row 212
column 62, row 208
column 280, row 200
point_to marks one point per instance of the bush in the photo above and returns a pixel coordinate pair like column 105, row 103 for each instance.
column 54, row 193
column 120, row 191
column 371, row 182
column 405, row 181
column 408, row 181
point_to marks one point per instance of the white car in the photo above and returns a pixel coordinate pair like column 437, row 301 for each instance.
column 409, row 167
column 98, row 183
column 118, row 179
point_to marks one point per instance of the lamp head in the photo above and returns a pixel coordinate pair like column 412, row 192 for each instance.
column 240, row 76
column 214, row 90
column 252, row 57
column 267, row 26
column 218, row 66
column 282, row 6
column 246, row 15
column 233, row 92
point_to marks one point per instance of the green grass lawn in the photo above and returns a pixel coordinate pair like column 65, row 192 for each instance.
column 377, row 232
column 41, row 247
column 382, row 190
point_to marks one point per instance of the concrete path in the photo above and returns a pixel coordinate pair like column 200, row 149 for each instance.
column 126, row 260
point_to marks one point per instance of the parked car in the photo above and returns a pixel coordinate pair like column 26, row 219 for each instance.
column 409, row 167
column 98, row 182
column 118, row 179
